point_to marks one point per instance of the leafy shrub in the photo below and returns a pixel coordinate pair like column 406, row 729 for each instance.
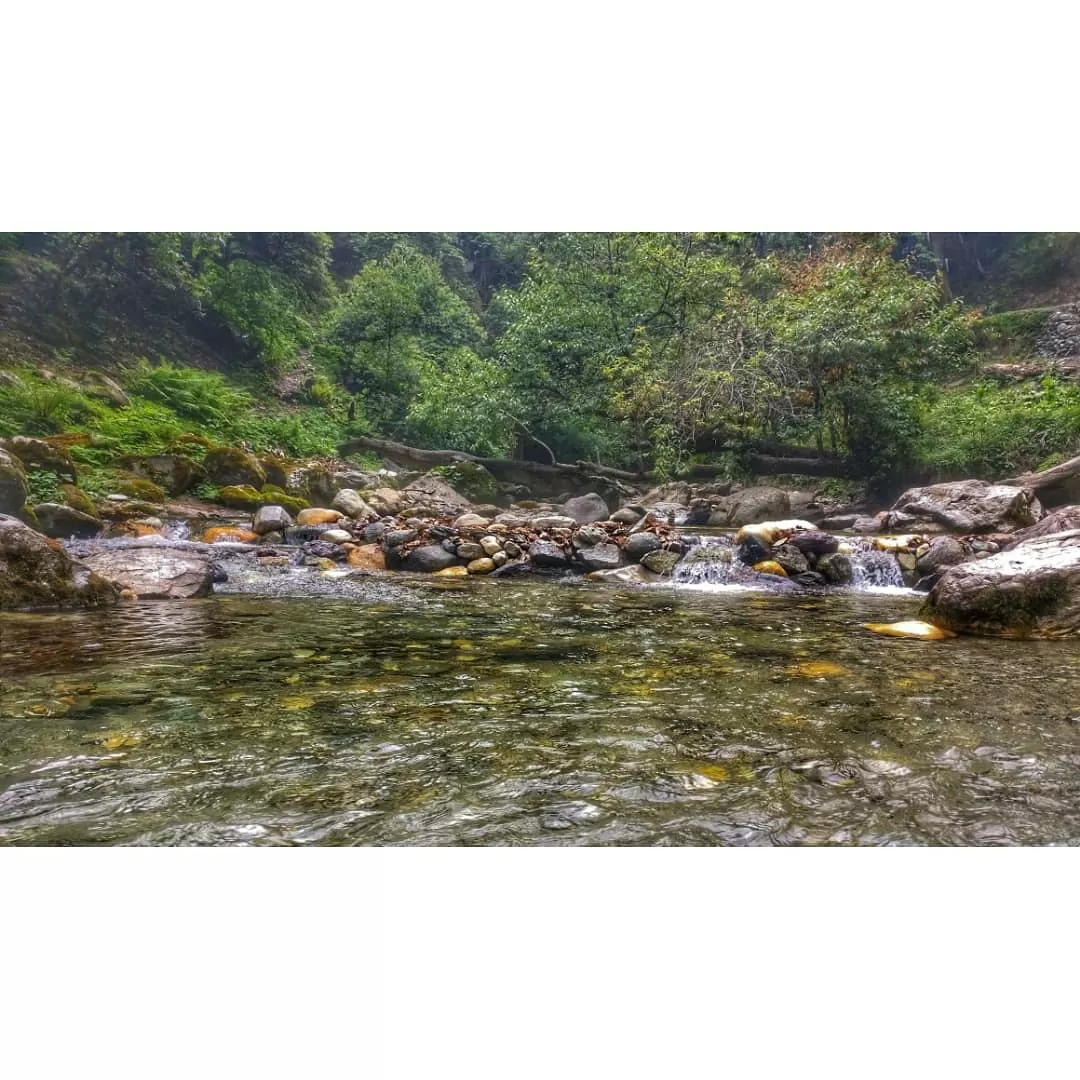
column 30, row 405
column 991, row 431
column 203, row 397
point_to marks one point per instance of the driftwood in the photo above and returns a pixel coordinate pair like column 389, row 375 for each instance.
column 1059, row 486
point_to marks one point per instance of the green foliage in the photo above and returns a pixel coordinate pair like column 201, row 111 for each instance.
column 991, row 431
column 30, row 405
column 397, row 315
column 203, row 397
column 42, row 485
column 1010, row 333
column 464, row 404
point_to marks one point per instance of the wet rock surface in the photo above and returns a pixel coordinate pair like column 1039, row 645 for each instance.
column 1031, row 590
column 36, row 572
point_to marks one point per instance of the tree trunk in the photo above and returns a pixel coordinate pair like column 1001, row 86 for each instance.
column 1059, row 486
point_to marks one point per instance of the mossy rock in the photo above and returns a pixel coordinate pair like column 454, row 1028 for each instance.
column 245, row 497
column 175, row 473
column 471, row 479
column 277, row 470
column 273, row 495
column 77, row 499
column 13, row 487
column 229, row 467
column 138, row 488
column 241, row 497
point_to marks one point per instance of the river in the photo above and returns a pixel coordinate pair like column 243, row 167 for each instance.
column 531, row 713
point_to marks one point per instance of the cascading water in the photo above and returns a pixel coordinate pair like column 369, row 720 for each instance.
column 713, row 562
column 874, row 569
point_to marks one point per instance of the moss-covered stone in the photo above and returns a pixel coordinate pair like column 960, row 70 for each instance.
column 276, row 496
column 13, row 488
column 277, row 470
column 471, row 479
column 77, row 499
column 175, row 473
column 36, row 572
column 137, row 488
column 241, row 497
column 40, row 454
column 245, row 497
column 230, row 466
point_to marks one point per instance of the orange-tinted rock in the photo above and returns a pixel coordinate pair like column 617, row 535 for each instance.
column 367, row 557
column 229, row 532
column 315, row 515
column 770, row 567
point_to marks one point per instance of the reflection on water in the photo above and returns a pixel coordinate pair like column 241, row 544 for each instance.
column 538, row 713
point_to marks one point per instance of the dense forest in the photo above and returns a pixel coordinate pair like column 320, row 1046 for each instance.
column 870, row 354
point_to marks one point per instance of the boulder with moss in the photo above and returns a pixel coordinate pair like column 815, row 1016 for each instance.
column 37, row 572
column 175, row 473
column 228, row 466
column 41, row 454
column 138, row 488
column 76, row 498
column 13, row 487
column 471, row 479
column 65, row 522
column 275, row 496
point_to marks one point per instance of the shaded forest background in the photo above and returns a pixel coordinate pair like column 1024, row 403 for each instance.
column 868, row 353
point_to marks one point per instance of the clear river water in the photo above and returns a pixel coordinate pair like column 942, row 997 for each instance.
column 485, row 712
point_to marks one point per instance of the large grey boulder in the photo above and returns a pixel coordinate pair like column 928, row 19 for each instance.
column 548, row 553
column 601, row 557
column 351, row 503
column 270, row 519
column 433, row 491
column 967, row 506
column 427, row 560
column 944, row 551
column 1031, row 590
column 751, row 506
column 65, row 522
column 153, row 573
column 37, row 572
column 585, row 509
column 640, row 544
column 1064, row 519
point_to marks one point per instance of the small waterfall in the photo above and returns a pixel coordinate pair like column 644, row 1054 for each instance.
column 176, row 529
column 873, row 569
column 711, row 561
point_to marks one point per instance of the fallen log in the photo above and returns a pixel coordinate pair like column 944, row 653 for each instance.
column 509, row 470
column 1059, row 486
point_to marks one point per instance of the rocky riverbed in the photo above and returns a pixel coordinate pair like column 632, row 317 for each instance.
column 990, row 558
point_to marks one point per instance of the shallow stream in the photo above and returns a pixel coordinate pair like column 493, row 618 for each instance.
column 538, row 712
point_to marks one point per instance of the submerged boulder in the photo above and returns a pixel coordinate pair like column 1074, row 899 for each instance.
column 601, row 557
column 1032, row 590
column 966, row 506
column 159, row 572
column 37, row 572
